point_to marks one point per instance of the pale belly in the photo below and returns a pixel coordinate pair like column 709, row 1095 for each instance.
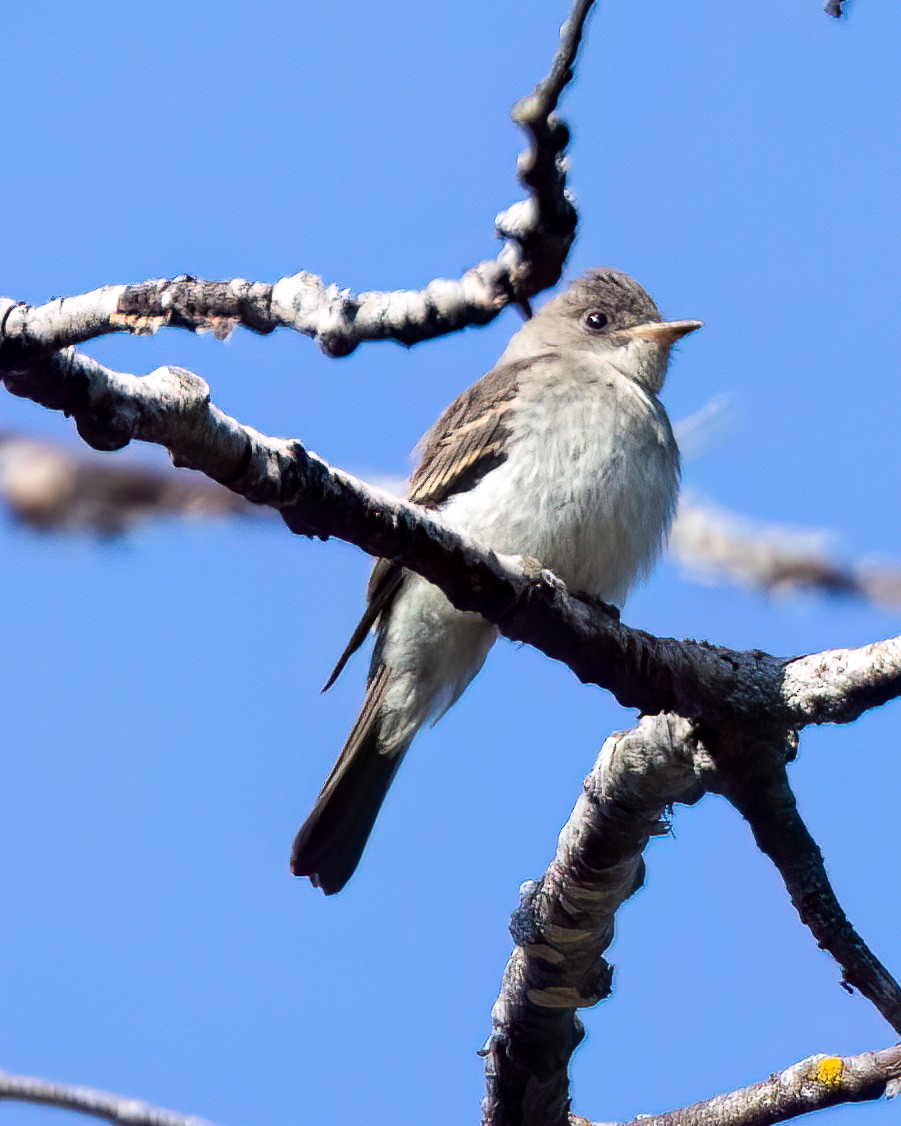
column 589, row 490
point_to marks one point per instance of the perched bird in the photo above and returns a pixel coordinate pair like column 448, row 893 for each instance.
column 562, row 452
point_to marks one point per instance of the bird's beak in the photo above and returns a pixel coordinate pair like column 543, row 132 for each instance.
column 663, row 332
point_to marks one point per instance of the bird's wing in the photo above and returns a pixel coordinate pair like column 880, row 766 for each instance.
column 466, row 442
column 384, row 583
column 331, row 840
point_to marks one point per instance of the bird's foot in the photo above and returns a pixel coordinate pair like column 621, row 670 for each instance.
column 536, row 572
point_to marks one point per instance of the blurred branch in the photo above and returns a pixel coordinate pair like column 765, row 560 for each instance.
column 712, row 543
column 538, row 234
column 85, row 1100
column 834, row 8
column 49, row 487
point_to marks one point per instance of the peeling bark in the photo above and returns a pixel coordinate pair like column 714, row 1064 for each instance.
column 565, row 921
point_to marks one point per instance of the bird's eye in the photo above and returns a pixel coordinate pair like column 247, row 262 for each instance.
column 595, row 320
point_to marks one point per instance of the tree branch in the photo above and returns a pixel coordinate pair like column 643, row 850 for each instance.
column 770, row 809
column 813, row 1084
column 712, row 543
column 538, row 231
column 839, row 685
column 547, row 219
column 50, row 487
column 85, row 1100
column 171, row 407
column 565, row 922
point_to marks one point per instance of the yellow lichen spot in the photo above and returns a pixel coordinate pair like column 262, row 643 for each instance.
column 829, row 1071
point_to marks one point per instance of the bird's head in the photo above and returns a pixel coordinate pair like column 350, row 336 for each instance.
column 607, row 313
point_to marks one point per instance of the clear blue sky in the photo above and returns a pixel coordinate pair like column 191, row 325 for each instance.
column 164, row 732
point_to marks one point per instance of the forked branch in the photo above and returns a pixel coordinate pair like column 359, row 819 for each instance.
column 566, row 922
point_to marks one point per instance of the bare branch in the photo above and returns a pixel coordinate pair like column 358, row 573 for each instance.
column 713, row 543
column 50, row 488
column 565, row 922
column 171, row 407
column 813, row 1084
column 770, row 809
column 547, row 218
column 839, row 685
column 538, row 231
column 535, row 111
column 85, row 1100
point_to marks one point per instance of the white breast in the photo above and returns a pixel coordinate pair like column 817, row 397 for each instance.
column 590, row 484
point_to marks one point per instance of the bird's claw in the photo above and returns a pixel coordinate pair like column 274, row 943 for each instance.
column 536, row 573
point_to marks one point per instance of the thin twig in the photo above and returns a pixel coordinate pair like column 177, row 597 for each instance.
column 772, row 813
column 548, row 218
column 101, row 1104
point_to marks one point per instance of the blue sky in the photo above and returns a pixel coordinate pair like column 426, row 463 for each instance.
column 165, row 733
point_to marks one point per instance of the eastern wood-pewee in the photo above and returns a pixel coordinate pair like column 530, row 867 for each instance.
column 562, row 452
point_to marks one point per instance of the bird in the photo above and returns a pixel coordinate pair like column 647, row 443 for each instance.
column 563, row 453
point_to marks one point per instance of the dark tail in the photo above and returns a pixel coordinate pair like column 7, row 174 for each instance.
column 331, row 840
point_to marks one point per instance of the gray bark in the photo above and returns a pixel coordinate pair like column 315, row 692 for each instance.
column 715, row 719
